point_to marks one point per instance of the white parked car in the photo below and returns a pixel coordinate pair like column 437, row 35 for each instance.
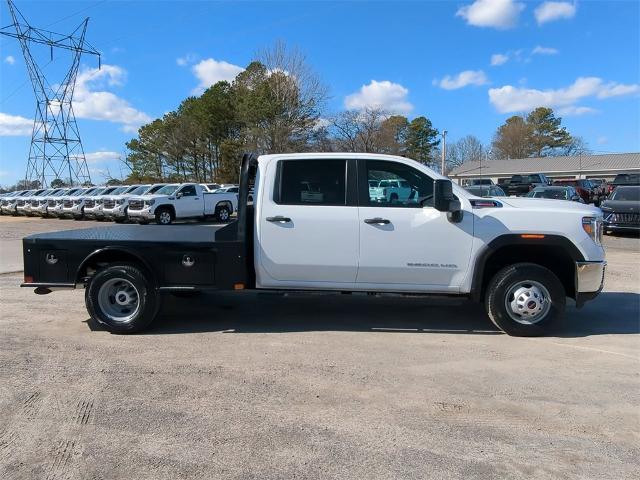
column 73, row 206
column 9, row 201
column 55, row 204
column 40, row 204
column 23, row 205
column 114, row 206
column 180, row 201
column 93, row 206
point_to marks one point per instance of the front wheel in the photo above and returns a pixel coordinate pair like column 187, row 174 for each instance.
column 164, row 216
column 122, row 299
column 525, row 300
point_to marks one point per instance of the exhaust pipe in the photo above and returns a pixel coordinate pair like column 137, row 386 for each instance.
column 42, row 291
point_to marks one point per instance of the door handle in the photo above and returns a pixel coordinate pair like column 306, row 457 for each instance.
column 377, row 221
column 278, row 219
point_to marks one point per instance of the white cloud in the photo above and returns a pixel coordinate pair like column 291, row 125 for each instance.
column 103, row 105
column 499, row 59
column 388, row 96
column 508, row 98
column 14, row 125
column 102, row 156
column 501, row 14
column 551, row 11
column 538, row 50
column 463, row 79
column 10, row 59
column 574, row 111
column 188, row 59
column 211, row 71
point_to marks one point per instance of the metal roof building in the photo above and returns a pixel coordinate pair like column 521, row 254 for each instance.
column 580, row 166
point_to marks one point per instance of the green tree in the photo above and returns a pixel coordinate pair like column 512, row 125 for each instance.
column 58, row 183
column 513, row 139
column 547, row 135
column 421, row 140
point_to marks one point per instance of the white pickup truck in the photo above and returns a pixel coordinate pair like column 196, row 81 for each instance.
column 521, row 257
column 179, row 201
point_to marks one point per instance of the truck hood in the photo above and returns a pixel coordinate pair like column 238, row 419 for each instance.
column 149, row 197
column 549, row 204
column 621, row 206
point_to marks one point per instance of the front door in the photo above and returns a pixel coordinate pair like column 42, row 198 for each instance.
column 405, row 243
column 190, row 204
column 308, row 226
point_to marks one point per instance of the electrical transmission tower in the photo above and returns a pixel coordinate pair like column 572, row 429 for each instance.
column 56, row 149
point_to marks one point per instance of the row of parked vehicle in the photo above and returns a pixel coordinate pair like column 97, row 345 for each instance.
column 161, row 202
column 618, row 200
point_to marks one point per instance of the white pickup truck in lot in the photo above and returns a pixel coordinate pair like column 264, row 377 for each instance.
column 179, row 201
column 521, row 257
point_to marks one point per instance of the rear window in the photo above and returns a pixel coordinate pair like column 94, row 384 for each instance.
column 311, row 182
column 627, row 178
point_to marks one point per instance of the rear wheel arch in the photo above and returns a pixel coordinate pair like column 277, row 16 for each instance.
column 554, row 252
column 106, row 256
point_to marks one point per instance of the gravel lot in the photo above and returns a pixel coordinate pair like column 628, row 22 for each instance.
column 313, row 386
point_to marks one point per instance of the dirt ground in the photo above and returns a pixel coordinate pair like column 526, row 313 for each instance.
column 313, row 386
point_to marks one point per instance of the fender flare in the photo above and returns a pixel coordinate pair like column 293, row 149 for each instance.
column 511, row 239
column 111, row 249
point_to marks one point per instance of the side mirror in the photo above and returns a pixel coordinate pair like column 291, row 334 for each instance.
column 443, row 198
column 179, row 195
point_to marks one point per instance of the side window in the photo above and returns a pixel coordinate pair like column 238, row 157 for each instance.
column 398, row 185
column 188, row 191
column 233, row 190
column 311, row 182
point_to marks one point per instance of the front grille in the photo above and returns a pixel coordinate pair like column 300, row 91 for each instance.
column 20, row 203
column 89, row 203
column 109, row 204
column 633, row 218
column 136, row 204
column 68, row 204
column 52, row 203
column 35, row 203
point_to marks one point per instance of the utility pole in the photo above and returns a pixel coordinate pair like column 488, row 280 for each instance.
column 56, row 149
column 444, row 151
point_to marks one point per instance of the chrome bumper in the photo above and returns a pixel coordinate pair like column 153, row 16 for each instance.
column 590, row 276
column 589, row 281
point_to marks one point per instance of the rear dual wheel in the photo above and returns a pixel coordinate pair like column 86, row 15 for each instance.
column 122, row 298
column 525, row 300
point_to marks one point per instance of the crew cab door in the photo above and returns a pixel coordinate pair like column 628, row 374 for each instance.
column 405, row 246
column 307, row 225
column 189, row 201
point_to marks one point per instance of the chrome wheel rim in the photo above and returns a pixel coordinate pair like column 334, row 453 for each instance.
column 223, row 214
column 119, row 300
column 527, row 302
column 165, row 217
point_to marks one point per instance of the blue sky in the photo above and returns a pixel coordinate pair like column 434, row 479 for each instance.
column 465, row 65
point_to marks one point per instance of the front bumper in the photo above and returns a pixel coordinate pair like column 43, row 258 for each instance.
column 95, row 212
column 75, row 211
column 146, row 213
column 119, row 211
column 589, row 280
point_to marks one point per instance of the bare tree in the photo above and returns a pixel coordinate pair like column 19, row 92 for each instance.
column 296, row 97
column 359, row 130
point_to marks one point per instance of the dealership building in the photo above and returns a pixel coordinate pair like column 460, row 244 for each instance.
column 605, row 166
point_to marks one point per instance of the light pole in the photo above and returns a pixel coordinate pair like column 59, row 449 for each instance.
column 444, row 150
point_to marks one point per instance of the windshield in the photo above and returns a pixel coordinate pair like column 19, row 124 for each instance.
column 168, row 189
column 139, row 190
column 60, row 193
column 79, row 192
column 95, row 192
column 557, row 193
column 118, row 191
column 626, row 193
column 153, row 189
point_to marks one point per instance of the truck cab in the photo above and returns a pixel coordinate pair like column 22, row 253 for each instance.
column 520, row 257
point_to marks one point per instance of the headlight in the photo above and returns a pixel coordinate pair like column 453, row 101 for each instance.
column 593, row 227
column 149, row 202
column 119, row 202
column 77, row 202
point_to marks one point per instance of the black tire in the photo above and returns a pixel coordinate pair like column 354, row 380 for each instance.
column 164, row 216
column 148, row 301
column 223, row 213
column 502, row 285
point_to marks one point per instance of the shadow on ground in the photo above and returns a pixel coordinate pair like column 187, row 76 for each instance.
column 251, row 312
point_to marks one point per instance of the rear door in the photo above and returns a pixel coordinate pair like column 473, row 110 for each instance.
column 407, row 245
column 308, row 225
